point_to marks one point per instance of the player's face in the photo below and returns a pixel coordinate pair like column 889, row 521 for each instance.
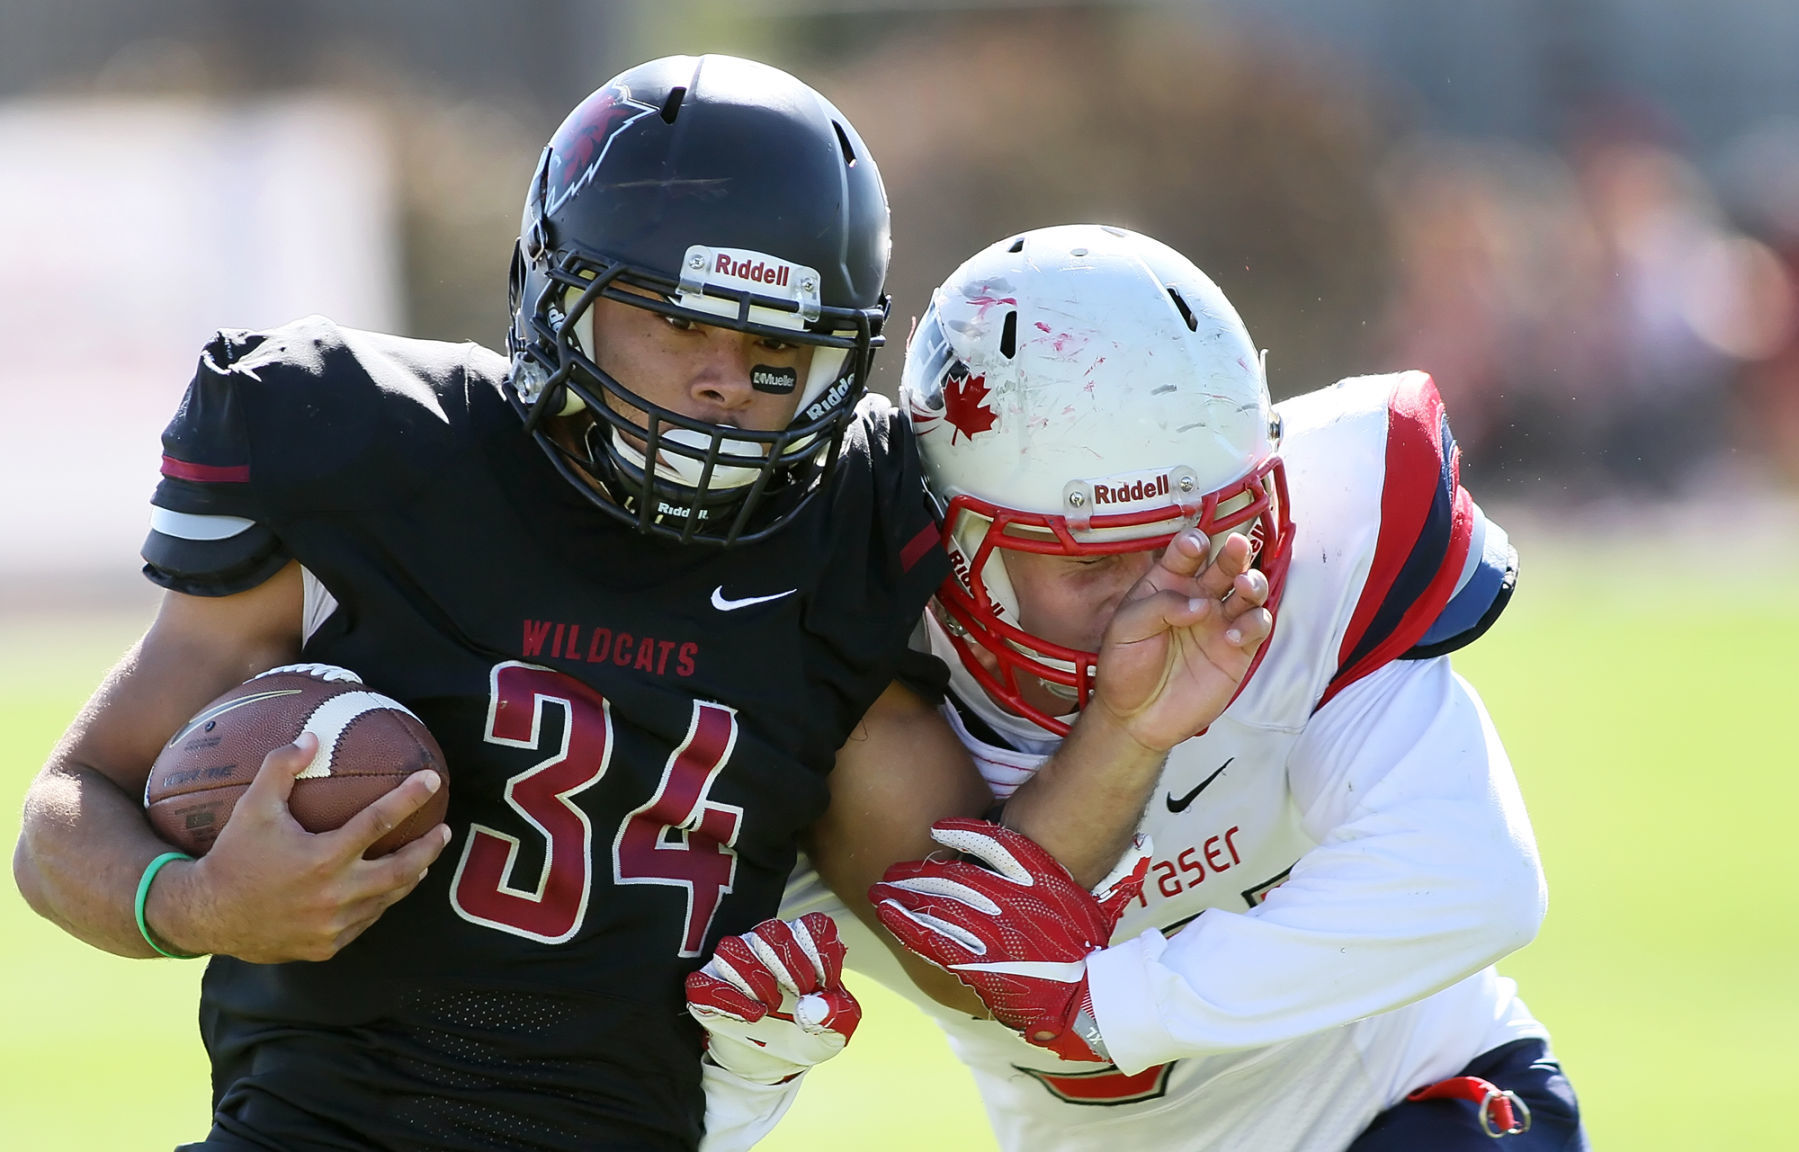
column 695, row 369
column 1069, row 600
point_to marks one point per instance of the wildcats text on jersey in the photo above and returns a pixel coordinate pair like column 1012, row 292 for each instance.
column 596, row 644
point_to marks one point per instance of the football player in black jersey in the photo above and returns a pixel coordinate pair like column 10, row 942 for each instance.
column 659, row 652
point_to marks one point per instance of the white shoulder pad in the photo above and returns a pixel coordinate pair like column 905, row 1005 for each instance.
column 1383, row 532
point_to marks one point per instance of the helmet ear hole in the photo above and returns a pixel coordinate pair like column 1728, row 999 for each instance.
column 515, row 278
column 1180, row 302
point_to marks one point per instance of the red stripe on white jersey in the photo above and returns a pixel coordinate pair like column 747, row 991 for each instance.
column 1106, row 1087
column 1414, row 473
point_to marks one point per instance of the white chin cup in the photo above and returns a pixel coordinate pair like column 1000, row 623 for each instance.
column 685, row 470
column 1062, row 692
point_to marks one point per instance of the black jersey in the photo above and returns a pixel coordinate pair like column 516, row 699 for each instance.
column 635, row 732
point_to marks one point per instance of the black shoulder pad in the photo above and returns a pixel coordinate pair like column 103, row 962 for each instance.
column 882, row 556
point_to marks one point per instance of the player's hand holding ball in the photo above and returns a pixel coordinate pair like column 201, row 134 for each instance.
column 772, row 1000
column 313, row 805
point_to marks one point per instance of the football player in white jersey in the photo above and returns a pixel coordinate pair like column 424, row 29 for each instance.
column 1304, row 958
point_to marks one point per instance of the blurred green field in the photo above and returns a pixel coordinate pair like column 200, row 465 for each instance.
column 1647, row 729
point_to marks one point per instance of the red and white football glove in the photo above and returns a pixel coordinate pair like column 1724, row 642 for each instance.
column 772, row 1000
column 1014, row 927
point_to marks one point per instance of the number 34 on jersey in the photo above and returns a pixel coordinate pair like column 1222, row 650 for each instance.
column 678, row 837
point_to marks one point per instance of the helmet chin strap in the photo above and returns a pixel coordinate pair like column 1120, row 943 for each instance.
column 1061, row 692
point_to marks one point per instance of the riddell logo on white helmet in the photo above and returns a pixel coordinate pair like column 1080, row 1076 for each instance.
column 959, row 565
column 1124, row 492
column 1132, row 492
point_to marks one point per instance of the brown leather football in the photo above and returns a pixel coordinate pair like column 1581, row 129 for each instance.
column 368, row 743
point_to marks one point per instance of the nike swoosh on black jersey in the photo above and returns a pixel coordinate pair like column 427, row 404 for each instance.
column 1180, row 805
column 724, row 604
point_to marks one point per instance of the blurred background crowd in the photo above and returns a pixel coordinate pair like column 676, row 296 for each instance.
column 1581, row 216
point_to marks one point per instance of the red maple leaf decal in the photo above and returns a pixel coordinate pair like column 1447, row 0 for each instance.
column 965, row 406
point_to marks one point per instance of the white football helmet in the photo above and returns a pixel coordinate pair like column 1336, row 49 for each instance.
column 1083, row 390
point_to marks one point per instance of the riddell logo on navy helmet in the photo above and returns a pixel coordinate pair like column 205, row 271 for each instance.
column 1126, row 493
column 761, row 272
column 680, row 511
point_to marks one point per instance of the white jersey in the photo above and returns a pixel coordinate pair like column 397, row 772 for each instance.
column 1338, row 860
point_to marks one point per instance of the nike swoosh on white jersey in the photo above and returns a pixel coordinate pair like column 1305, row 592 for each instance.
column 1062, row 972
column 723, row 605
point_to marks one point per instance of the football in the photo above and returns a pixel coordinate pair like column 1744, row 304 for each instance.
column 368, row 743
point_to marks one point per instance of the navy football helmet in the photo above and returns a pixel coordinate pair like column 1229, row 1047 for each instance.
column 727, row 193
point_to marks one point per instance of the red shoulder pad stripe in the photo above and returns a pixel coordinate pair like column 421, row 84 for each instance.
column 1427, row 526
column 205, row 473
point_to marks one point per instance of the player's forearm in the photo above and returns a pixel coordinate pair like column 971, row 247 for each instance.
column 739, row 1112
column 1086, row 801
column 902, row 771
column 82, row 849
column 941, row 986
column 1373, row 921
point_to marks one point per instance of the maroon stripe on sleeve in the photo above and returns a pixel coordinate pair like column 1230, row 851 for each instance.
column 205, row 473
column 915, row 550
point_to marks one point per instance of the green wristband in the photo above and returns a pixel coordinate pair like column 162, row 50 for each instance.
column 143, row 895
